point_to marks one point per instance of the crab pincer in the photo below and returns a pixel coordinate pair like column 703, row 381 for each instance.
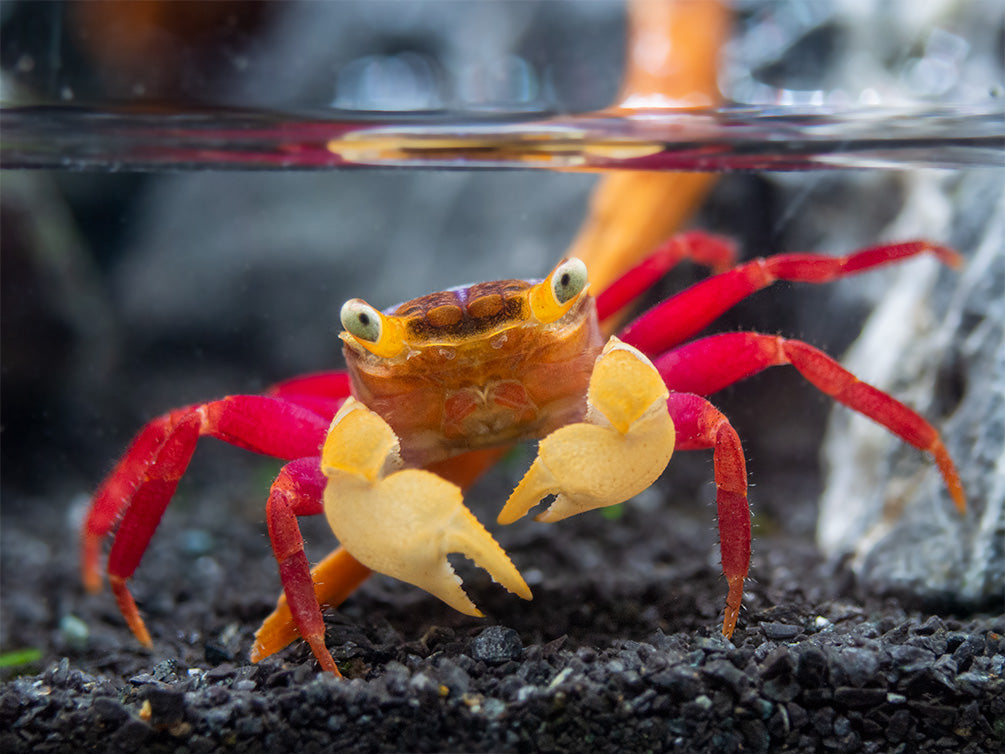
column 620, row 448
column 403, row 523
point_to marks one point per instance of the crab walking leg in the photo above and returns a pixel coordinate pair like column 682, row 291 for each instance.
column 335, row 578
column 141, row 517
column 716, row 252
column 117, row 491
column 322, row 392
column 619, row 450
column 403, row 523
column 137, row 492
column 321, row 384
column 710, row 364
column 298, row 491
column 699, row 426
column 693, row 309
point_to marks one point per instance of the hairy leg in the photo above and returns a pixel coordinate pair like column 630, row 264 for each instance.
column 693, row 309
column 709, row 364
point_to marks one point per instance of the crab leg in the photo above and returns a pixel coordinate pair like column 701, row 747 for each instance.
column 710, row 364
column 322, row 393
column 693, row 309
column 716, row 252
column 298, row 491
column 699, row 426
column 335, row 578
column 138, row 491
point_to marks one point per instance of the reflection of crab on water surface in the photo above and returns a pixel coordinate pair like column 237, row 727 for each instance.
column 438, row 385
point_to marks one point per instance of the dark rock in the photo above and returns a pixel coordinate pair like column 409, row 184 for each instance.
column 976, row 683
column 453, row 677
column 781, row 689
column 497, row 644
column 755, row 736
column 811, row 666
column 109, row 711
column 131, row 735
column 167, row 707
column 779, row 724
column 854, row 665
column 943, row 714
column 681, row 683
column 725, row 674
column 222, row 672
column 898, row 726
column 823, row 721
column 216, row 654
column 780, row 631
column 909, row 659
column 963, row 653
column 779, row 662
column 798, row 717
column 859, row 697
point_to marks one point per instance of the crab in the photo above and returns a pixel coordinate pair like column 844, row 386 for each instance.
column 435, row 387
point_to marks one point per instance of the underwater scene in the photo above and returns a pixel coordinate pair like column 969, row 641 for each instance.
column 310, row 309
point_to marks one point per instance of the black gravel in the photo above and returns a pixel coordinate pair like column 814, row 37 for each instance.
column 620, row 655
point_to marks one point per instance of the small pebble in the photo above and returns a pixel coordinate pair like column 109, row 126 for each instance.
column 497, row 644
column 780, row 631
column 74, row 632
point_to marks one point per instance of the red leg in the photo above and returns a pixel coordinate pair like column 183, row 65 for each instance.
column 299, row 491
column 114, row 494
column 144, row 513
column 335, row 578
column 138, row 491
column 717, row 252
column 322, row 393
column 321, row 384
column 699, row 426
column 693, row 309
column 710, row 364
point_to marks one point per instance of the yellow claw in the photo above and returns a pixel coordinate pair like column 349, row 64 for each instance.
column 619, row 450
column 403, row 523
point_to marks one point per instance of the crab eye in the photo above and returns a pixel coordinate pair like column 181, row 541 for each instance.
column 361, row 320
column 568, row 280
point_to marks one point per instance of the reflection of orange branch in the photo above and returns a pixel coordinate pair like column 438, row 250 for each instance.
column 673, row 51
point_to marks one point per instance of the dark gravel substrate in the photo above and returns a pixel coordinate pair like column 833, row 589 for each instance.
column 618, row 651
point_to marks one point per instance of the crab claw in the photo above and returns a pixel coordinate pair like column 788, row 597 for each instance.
column 403, row 523
column 620, row 449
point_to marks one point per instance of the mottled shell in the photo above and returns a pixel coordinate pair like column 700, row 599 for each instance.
column 478, row 369
column 464, row 313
